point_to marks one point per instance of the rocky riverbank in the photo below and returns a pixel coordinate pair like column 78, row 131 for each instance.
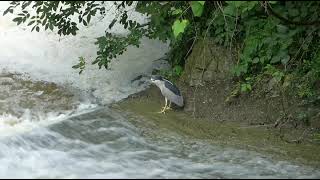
column 266, row 120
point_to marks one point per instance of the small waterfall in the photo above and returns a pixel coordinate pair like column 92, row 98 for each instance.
column 48, row 57
column 34, row 61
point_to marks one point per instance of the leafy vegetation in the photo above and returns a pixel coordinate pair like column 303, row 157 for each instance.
column 276, row 38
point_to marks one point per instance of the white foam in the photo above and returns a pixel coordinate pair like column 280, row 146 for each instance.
column 46, row 56
column 11, row 125
column 55, row 155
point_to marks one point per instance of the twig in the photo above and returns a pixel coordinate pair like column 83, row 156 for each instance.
column 264, row 5
column 224, row 17
column 235, row 28
column 305, row 39
column 204, row 38
column 184, row 11
column 264, row 125
column 195, row 38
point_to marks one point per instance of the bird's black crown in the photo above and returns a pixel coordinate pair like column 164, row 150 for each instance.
column 156, row 77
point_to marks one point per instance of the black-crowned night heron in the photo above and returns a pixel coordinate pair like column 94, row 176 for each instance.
column 170, row 92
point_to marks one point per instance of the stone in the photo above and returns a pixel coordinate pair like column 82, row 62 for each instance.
column 207, row 62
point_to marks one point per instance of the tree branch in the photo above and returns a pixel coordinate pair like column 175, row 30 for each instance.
column 143, row 25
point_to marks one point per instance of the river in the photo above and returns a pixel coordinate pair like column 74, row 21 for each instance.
column 55, row 123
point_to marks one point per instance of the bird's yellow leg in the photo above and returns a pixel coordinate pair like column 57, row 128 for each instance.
column 169, row 107
column 165, row 106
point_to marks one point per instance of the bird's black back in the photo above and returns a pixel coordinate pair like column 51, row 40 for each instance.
column 172, row 87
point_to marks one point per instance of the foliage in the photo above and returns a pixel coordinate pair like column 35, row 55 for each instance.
column 179, row 26
column 50, row 14
column 81, row 65
column 197, row 7
column 167, row 21
column 278, row 38
column 172, row 74
column 246, row 86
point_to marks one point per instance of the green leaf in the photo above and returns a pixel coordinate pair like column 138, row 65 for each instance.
column 44, row 22
column 235, row 3
column 88, row 18
column 202, row 2
column 275, row 59
column 255, row 60
column 249, row 87
column 246, row 87
column 84, row 23
column 282, row 28
column 95, row 61
column 179, row 26
column 293, row 12
column 248, row 78
column 285, row 59
column 230, row 10
column 177, row 11
column 6, row 11
column 76, row 66
column 197, row 8
column 178, row 70
column 19, row 22
column 17, row 19
column 51, row 26
column 30, row 23
column 25, row 4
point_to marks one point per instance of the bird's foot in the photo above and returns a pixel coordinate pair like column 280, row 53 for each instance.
column 168, row 108
column 163, row 110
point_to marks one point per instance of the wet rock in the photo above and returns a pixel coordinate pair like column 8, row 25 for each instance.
column 6, row 81
column 17, row 95
column 273, row 88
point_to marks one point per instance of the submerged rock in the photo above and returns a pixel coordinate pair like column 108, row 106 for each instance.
column 18, row 95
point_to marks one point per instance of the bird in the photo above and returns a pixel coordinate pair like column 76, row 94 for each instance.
column 170, row 92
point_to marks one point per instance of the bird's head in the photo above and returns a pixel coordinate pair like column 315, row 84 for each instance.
column 156, row 78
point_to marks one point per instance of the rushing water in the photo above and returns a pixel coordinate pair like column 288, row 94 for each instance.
column 53, row 123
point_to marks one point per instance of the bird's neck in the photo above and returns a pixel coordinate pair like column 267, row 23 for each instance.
column 159, row 85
